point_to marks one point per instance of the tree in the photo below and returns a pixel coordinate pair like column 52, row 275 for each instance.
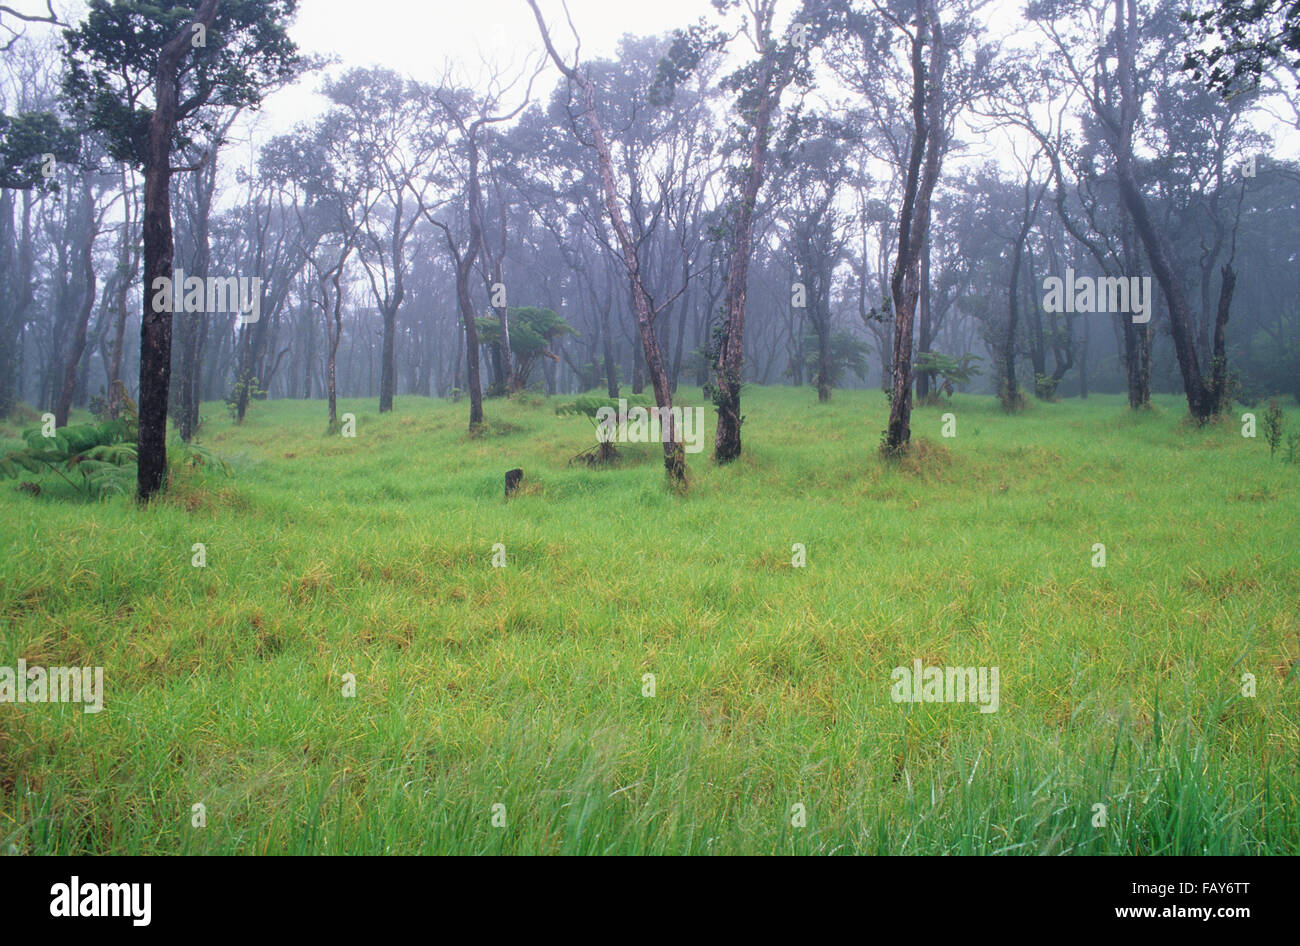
column 924, row 33
column 759, row 86
column 1204, row 398
column 811, row 169
column 1247, row 37
column 1090, row 208
column 830, row 359
column 25, row 139
column 1008, row 390
column 383, row 117
column 196, row 193
column 85, row 223
column 329, row 200
column 140, row 74
column 674, row 455
column 533, row 329
column 468, row 117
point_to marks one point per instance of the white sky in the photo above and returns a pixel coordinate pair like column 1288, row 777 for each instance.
column 416, row 37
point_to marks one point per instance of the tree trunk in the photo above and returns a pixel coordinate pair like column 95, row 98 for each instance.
column 1083, row 359
column 156, row 326
column 1203, row 401
column 471, row 343
column 331, row 370
column 824, row 364
column 914, row 217
column 86, row 299
column 925, row 378
column 611, row 365
column 508, row 380
column 388, row 365
column 729, row 365
column 1010, row 386
column 674, row 455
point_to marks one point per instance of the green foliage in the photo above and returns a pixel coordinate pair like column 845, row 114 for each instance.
column 1273, row 425
column 22, row 413
column 103, row 453
column 1272, row 368
column 1235, row 42
column 589, row 404
column 592, row 375
column 255, row 393
column 196, row 457
column 955, row 371
column 734, row 380
column 25, row 140
column 846, row 352
column 112, row 56
column 459, row 702
column 687, row 50
column 532, row 330
column 1045, row 387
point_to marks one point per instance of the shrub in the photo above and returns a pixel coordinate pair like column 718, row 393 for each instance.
column 1273, row 425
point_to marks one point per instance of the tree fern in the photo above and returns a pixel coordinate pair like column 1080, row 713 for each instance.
column 102, row 453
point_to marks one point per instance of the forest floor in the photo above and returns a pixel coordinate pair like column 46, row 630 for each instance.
column 506, row 709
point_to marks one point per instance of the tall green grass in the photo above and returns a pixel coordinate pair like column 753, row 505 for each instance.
column 522, row 686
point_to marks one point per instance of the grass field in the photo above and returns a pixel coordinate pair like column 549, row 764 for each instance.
column 522, row 686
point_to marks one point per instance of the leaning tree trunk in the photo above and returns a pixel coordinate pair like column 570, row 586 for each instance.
column 674, row 455
column 1203, row 400
column 471, row 347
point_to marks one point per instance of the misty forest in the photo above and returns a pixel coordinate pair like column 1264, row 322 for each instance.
column 819, row 426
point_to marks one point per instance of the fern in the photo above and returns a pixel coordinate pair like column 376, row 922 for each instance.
column 589, row 405
column 101, row 453
column 192, row 455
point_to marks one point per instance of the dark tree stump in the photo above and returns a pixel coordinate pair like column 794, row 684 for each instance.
column 512, row 480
